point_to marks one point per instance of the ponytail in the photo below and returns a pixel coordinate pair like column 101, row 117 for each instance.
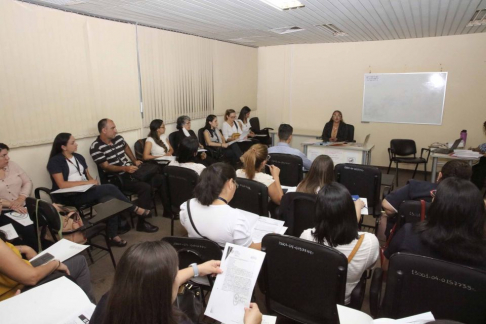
column 253, row 159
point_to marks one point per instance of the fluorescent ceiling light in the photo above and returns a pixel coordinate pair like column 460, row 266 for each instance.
column 284, row 4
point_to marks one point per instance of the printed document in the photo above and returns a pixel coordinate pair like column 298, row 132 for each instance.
column 266, row 225
column 63, row 250
column 9, row 231
column 82, row 188
column 60, row 301
column 22, row 219
column 233, row 288
column 352, row 316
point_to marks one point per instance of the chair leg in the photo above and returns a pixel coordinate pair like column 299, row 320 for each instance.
column 415, row 171
column 110, row 251
column 396, row 173
column 425, row 171
column 155, row 207
column 172, row 225
column 389, row 167
column 90, row 255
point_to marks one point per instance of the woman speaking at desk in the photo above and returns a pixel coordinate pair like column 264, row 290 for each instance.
column 335, row 129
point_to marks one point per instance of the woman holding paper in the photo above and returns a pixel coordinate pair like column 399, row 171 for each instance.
column 145, row 287
column 69, row 169
column 15, row 272
column 216, row 140
column 211, row 215
column 15, row 187
column 156, row 145
column 336, row 225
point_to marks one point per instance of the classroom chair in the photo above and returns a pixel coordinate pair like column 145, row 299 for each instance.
column 291, row 173
column 297, row 210
column 255, row 128
column 251, row 196
column 138, row 148
column 400, row 151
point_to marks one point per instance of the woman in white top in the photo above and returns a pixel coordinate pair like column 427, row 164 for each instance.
column 187, row 155
column 210, row 213
column 232, row 131
column 336, row 225
column 156, row 145
column 320, row 173
column 215, row 140
column 244, row 121
column 254, row 162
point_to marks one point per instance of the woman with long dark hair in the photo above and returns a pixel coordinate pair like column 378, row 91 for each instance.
column 156, row 145
column 244, row 120
column 145, row 287
column 454, row 229
column 216, row 141
column 335, row 129
column 321, row 173
column 69, row 169
column 336, row 225
column 210, row 212
column 187, row 156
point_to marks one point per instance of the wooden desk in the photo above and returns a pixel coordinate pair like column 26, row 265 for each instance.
column 346, row 153
column 437, row 156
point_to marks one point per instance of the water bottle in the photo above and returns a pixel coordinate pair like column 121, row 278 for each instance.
column 464, row 136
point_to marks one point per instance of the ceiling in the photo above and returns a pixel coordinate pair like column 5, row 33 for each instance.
column 248, row 22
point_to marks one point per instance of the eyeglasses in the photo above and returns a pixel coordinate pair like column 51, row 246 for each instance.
column 4, row 155
column 433, row 193
column 268, row 158
column 236, row 184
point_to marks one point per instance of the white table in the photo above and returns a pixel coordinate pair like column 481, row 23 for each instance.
column 345, row 153
column 298, row 132
column 437, row 156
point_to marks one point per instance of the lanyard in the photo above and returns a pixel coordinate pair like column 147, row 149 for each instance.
column 75, row 165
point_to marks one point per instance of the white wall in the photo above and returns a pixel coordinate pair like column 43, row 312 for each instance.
column 303, row 84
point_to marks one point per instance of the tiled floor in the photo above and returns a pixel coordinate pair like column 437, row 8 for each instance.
column 102, row 270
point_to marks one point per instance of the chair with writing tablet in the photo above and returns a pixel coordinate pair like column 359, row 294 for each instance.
column 251, row 196
column 290, row 166
column 255, row 128
column 47, row 216
column 303, row 280
column 416, row 284
column 405, row 151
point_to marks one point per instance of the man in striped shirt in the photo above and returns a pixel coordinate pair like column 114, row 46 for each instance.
column 109, row 151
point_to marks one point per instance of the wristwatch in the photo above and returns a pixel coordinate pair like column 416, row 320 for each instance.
column 194, row 267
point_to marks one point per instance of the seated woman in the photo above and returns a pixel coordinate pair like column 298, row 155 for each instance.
column 321, row 173
column 15, row 272
column 211, row 215
column 156, row 145
column 244, row 121
column 15, row 187
column 184, row 130
column 215, row 139
column 454, row 228
column 187, row 155
column 254, row 162
column 336, row 225
column 335, row 129
column 148, row 296
column 232, row 131
column 69, row 169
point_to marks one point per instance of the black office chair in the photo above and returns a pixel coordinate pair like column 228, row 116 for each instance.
column 290, row 166
column 139, row 147
column 399, row 152
column 44, row 215
column 52, row 197
column 251, row 196
column 172, row 140
column 410, row 211
column 181, row 183
column 417, row 284
column 298, row 210
column 314, row 299
column 255, row 128
column 196, row 250
column 364, row 181
column 349, row 133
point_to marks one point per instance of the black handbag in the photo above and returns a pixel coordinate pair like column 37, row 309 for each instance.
column 190, row 301
column 145, row 172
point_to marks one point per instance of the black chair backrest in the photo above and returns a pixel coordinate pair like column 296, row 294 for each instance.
column 194, row 250
column 410, row 211
column 255, row 124
column 47, row 215
column 403, row 147
column 200, row 136
column 418, row 284
column 172, row 140
column 102, row 175
column 323, row 269
column 251, row 196
column 297, row 210
column 139, row 147
column 361, row 180
column 349, row 133
column 290, row 166
column 181, row 183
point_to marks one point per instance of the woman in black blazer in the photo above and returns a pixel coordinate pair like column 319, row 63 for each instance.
column 335, row 129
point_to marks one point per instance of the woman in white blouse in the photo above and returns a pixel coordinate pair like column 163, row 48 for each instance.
column 215, row 140
column 244, row 121
column 211, row 215
column 254, row 162
column 156, row 144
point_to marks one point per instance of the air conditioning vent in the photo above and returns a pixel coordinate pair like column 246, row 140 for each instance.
column 330, row 28
column 286, row 30
column 478, row 18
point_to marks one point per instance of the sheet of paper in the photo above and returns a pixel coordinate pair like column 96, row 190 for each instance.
column 364, row 210
column 260, row 135
column 63, row 250
column 201, row 150
column 9, row 231
column 57, row 302
column 268, row 319
column 417, row 319
column 233, row 288
column 165, row 158
column 23, row 219
column 264, row 226
column 349, row 315
column 82, row 188
column 289, row 189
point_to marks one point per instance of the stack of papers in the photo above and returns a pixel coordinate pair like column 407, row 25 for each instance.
column 467, row 154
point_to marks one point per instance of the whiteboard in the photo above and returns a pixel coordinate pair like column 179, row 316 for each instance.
column 412, row 98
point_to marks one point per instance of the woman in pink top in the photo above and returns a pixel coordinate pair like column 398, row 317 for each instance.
column 15, row 187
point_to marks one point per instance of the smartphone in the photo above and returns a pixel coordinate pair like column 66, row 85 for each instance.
column 42, row 260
